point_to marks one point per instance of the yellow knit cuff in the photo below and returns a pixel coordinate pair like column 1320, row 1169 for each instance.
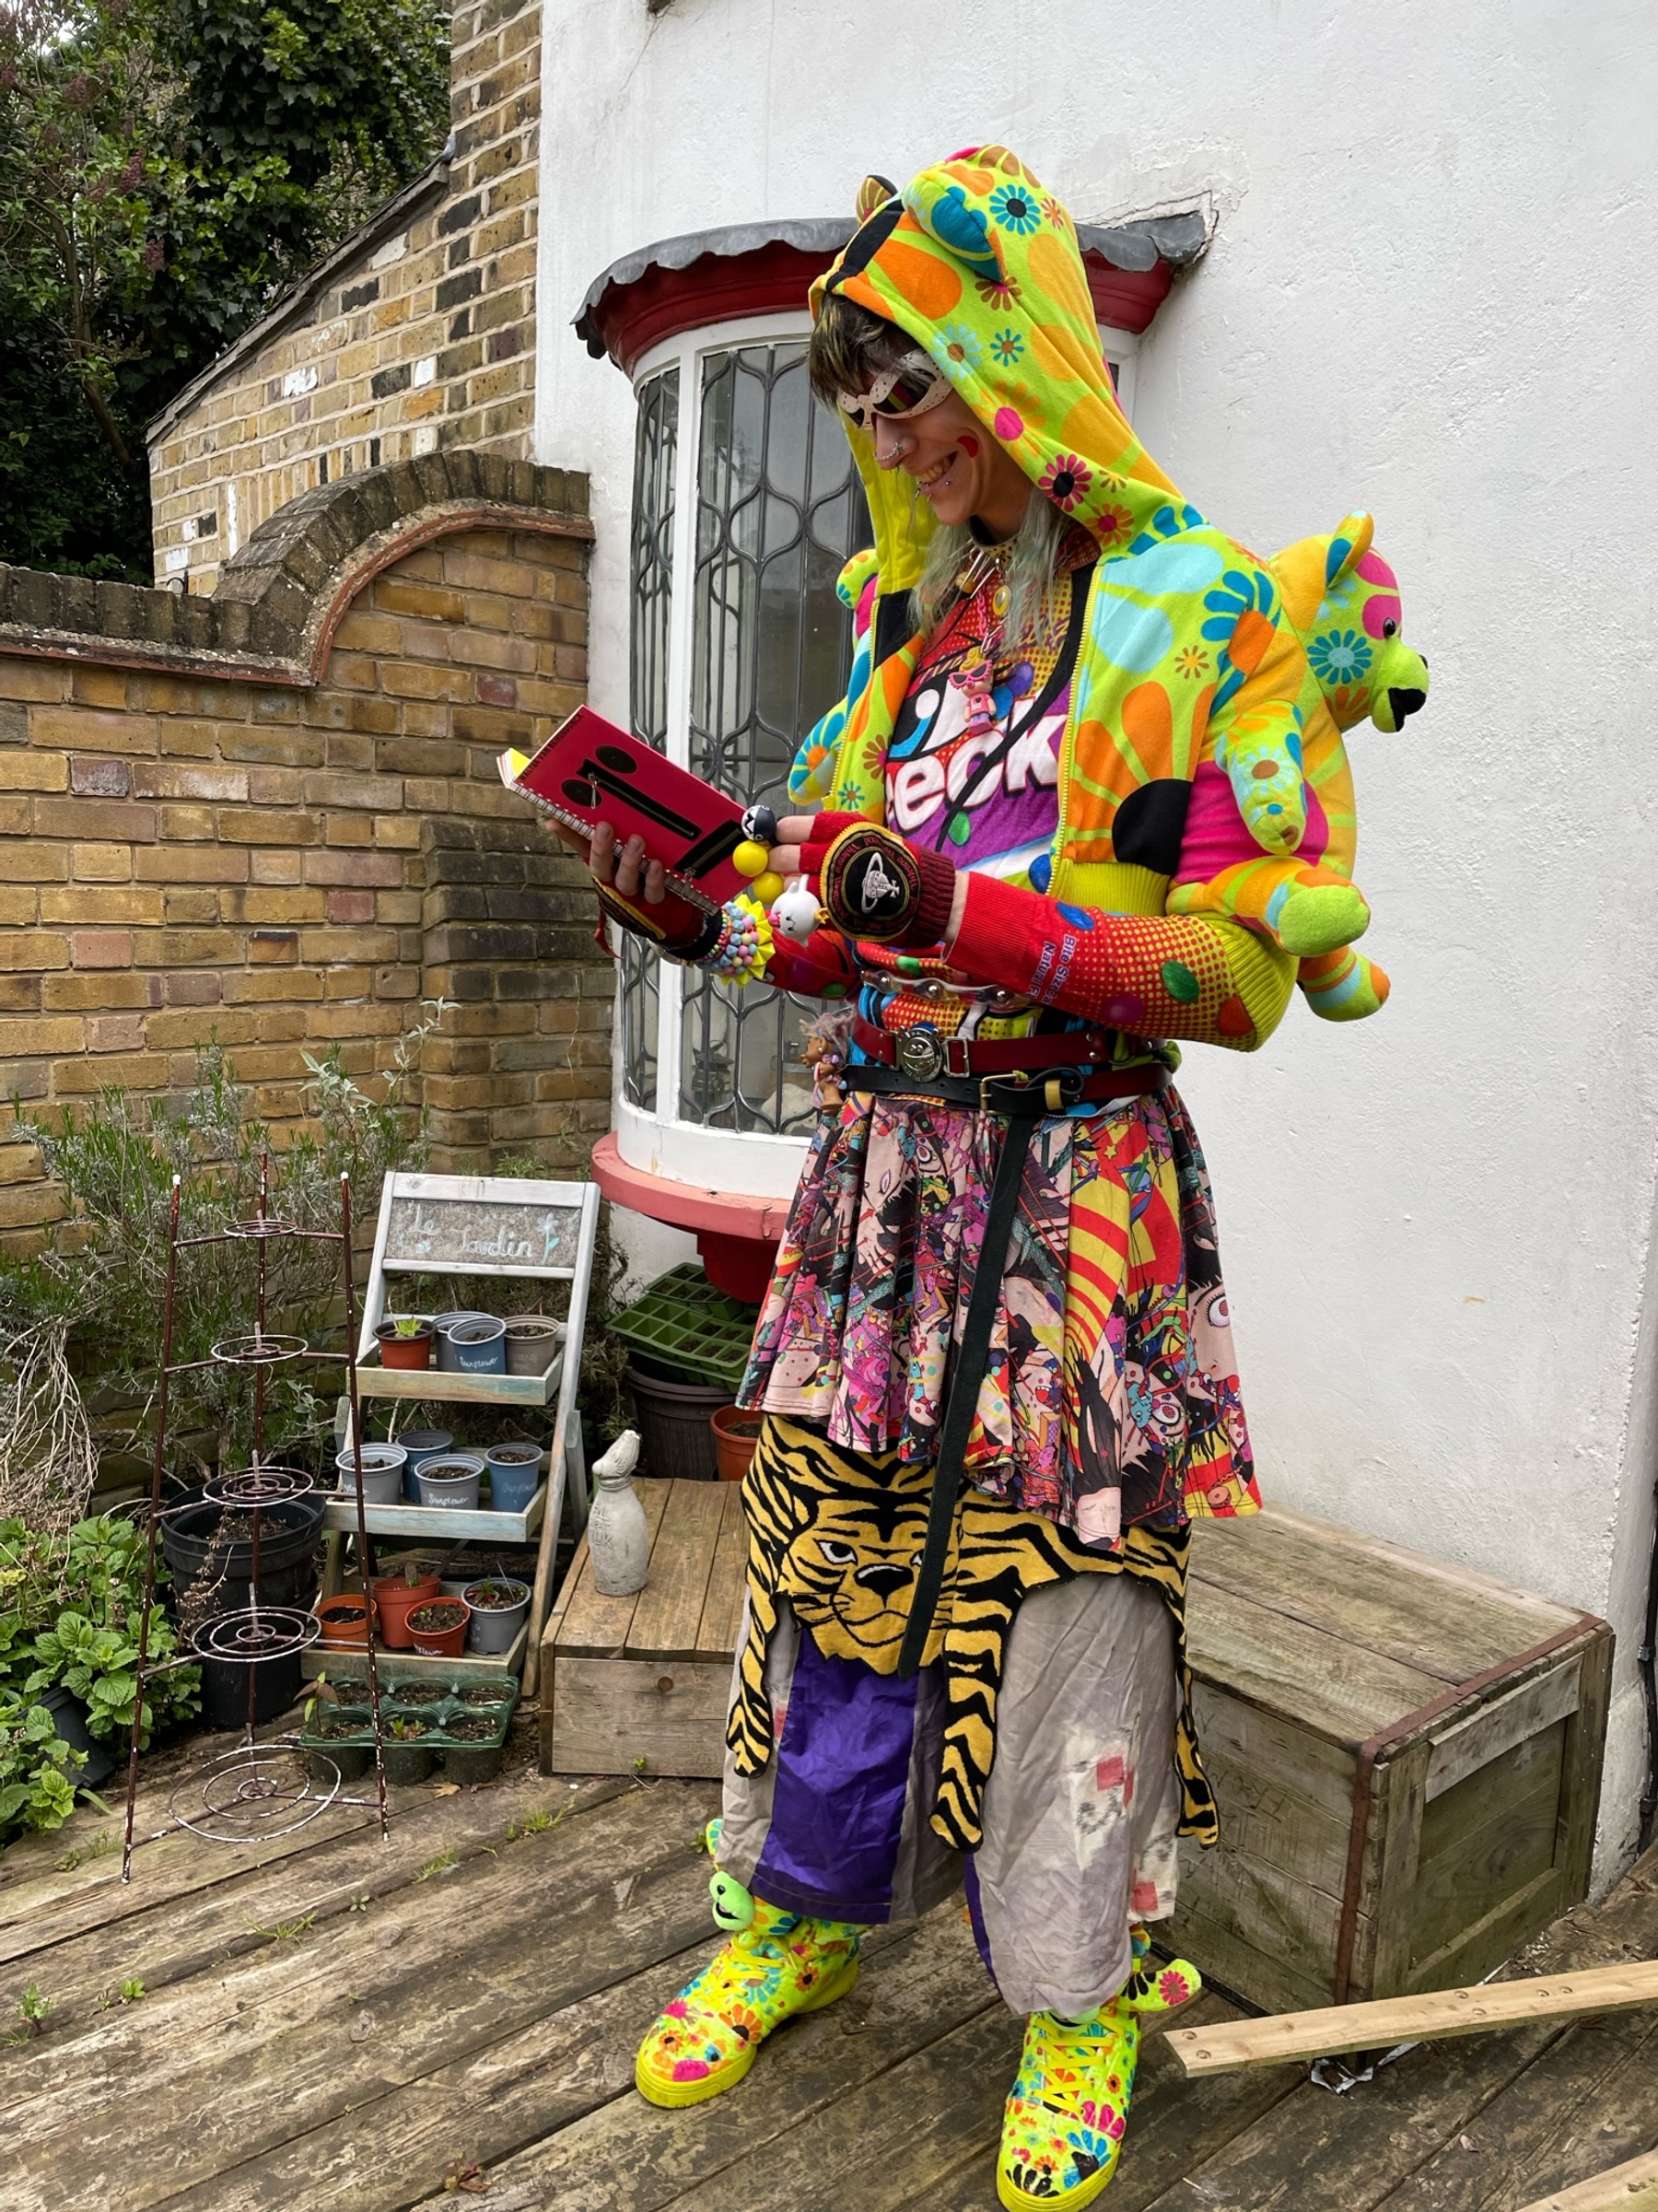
column 1262, row 976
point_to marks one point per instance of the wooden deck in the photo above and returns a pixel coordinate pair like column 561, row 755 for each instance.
column 336, row 2024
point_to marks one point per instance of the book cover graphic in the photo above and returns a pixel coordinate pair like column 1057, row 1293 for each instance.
column 590, row 771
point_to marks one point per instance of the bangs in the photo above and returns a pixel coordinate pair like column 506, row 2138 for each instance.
column 850, row 348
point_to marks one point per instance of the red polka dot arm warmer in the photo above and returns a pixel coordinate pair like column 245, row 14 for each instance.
column 1156, row 975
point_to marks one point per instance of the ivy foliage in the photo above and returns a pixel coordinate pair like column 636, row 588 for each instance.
column 167, row 168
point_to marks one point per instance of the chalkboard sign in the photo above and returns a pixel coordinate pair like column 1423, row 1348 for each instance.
column 480, row 1236
column 479, row 1225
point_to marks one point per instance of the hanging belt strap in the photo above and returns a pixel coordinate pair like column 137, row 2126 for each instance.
column 1025, row 1104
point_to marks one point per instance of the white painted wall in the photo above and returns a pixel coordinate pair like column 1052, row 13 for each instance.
column 1428, row 295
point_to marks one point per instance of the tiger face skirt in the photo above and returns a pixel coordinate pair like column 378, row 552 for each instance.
column 837, row 1535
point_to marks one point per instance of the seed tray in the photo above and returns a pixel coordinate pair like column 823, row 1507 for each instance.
column 681, row 1317
column 479, row 1761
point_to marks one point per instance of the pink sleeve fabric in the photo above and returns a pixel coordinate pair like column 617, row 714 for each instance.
column 1155, row 975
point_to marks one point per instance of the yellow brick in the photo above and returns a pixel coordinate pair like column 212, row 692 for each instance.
column 92, row 863
column 32, row 949
column 85, row 906
column 33, row 772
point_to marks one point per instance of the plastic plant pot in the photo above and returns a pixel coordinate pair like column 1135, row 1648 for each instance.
column 403, row 1346
column 474, row 1748
column 452, row 1481
column 407, row 1748
column 514, row 1475
column 437, row 1628
column 394, row 1598
column 421, row 1444
column 443, row 1324
column 421, row 1694
column 345, row 1618
column 499, row 1606
column 487, row 1697
column 532, row 1342
column 383, row 1472
column 477, row 1348
column 736, row 1433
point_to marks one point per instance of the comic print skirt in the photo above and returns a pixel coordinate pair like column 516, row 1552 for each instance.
column 1110, row 1397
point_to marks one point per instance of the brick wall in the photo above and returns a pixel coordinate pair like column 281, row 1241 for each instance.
column 274, row 818
column 419, row 332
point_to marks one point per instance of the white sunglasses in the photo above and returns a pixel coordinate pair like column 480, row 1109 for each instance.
column 915, row 383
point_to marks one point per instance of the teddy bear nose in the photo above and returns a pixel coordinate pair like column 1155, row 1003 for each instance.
column 1405, row 702
column 883, row 1581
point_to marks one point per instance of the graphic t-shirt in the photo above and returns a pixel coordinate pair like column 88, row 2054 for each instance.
column 987, row 798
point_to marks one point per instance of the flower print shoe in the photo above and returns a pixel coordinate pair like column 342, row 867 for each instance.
column 780, row 1964
column 1062, row 2127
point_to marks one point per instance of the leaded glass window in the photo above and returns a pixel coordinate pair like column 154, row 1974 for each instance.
column 778, row 509
column 655, row 456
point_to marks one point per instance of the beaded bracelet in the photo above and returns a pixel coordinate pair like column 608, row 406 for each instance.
column 742, row 950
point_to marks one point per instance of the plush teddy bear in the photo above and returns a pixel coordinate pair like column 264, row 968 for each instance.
column 1295, row 879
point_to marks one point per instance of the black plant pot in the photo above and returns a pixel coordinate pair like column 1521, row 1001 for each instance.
column 69, row 1718
column 289, row 1535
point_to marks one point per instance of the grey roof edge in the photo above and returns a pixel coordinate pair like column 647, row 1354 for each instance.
column 1178, row 240
column 403, row 207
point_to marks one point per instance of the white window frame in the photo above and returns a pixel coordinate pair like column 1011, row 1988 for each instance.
column 755, row 1162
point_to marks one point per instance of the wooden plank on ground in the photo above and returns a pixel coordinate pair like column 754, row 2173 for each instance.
column 181, row 1937
column 915, row 1987
column 669, row 1606
column 1288, row 2037
column 1589, row 2098
column 595, row 1624
column 727, row 1582
column 224, row 2071
column 1634, row 2183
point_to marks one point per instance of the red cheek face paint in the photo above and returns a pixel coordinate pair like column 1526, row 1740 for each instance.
column 969, row 445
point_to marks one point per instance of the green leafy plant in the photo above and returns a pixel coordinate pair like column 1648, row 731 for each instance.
column 70, row 1607
column 94, row 1298
column 404, row 1728
column 447, row 1857
column 37, row 1769
column 33, row 2009
column 167, row 168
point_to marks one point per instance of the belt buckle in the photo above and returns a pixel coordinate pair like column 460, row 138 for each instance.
column 919, row 1053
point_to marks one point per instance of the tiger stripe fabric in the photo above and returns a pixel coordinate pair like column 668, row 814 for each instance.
column 838, row 1533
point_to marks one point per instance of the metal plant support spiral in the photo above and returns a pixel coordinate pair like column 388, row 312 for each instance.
column 256, row 1790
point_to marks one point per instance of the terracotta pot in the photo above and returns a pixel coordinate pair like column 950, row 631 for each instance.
column 345, row 1618
column 394, row 1599
column 405, row 1352
column 736, row 1433
column 437, row 1628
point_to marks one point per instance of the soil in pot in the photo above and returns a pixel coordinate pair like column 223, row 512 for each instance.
column 451, row 1482
column 421, row 1444
column 470, row 1754
column 344, row 1620
column 383, row 1472
column 408, row 1749
column 395, row 1597
column 399, row 1348
column 514, row 1475
column 478, row 1347
column 481, row 1694
column 438, row 1627
column 422, row 1693
column 532, row 1342
column 497, row 1614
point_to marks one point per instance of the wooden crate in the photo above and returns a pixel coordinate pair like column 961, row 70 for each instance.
column 1406, row 1757
column 649, row 1677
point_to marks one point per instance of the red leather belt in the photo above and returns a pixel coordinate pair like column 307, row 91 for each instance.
column 924, row 1054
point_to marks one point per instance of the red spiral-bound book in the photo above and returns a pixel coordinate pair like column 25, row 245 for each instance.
column 590, row 771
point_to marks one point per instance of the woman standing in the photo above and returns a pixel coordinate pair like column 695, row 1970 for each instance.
column 995, row 1353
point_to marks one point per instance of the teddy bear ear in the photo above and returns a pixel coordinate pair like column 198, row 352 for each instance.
column 873, row 192
column 949, row 218
column 1349, row 546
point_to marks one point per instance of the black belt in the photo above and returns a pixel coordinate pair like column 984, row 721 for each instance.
column 1025, row 1102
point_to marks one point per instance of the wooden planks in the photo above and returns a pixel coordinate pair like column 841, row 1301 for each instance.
column 1334, row 1690
column 721, row 1622
column 1289, row 2037
column 670, row 1607
column 589, row 1621
column 1634, row 2183
column 638, row 1717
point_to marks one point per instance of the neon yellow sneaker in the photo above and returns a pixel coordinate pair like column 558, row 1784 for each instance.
column 780, row 1964
column 1062, row 2127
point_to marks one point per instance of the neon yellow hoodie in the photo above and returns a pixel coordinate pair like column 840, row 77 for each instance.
column 1186, row 658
